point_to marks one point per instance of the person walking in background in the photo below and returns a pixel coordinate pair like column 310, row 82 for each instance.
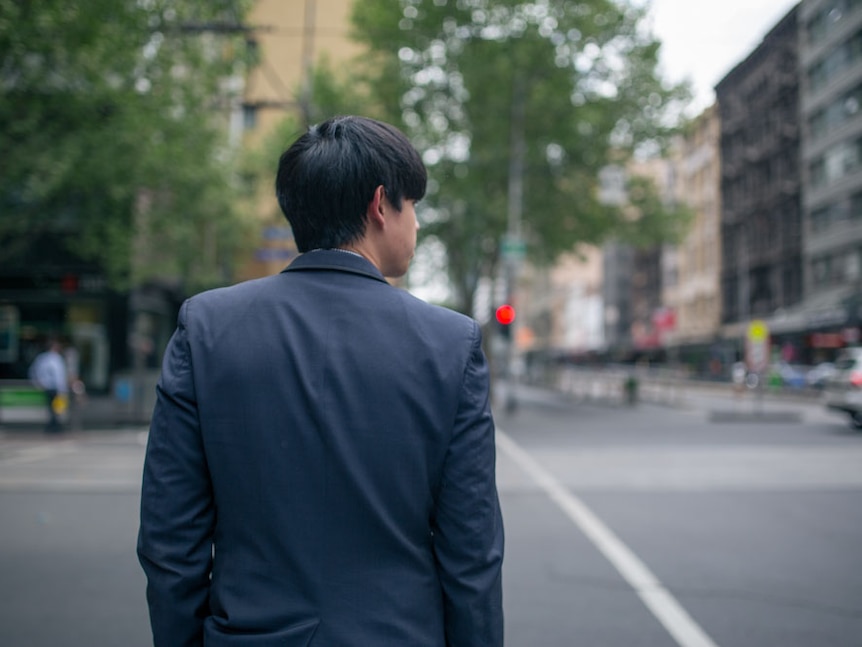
column 77, row 389
column 320, row 469
column 48, row 372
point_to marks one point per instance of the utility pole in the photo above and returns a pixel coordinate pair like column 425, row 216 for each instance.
column 307, row 61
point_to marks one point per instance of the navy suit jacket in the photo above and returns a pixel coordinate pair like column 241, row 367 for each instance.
column 320, row 469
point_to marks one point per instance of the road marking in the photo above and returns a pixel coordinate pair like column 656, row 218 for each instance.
column 40, row 452
column 669, row 612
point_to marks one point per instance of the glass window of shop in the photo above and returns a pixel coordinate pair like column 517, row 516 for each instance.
column 25, row 328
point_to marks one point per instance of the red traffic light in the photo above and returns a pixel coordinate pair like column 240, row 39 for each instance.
column 505, row 314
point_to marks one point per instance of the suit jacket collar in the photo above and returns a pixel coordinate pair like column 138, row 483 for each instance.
column 331, row 259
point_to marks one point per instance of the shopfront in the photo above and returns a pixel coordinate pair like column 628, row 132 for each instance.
column 76, row 308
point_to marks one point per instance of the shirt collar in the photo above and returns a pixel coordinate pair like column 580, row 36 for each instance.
column 342, row 260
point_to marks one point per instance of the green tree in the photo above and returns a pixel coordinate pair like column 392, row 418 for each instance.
column 114, row 137
column 648, row 219
column 517, row 106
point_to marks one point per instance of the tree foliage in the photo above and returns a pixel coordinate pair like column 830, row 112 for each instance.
column 650, row 219
column 114, row 134
column 516, row 106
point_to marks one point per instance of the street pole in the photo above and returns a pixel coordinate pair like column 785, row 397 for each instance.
column 308, row 30
column 515, row 209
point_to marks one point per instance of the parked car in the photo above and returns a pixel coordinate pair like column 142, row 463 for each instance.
column 843, row 390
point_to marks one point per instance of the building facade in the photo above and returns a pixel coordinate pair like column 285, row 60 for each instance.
column 698, row 295
column 761, row 219
column 576, row 321
column 617, row 271
column 830, row 45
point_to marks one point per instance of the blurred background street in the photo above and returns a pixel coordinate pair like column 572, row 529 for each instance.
column 653, row 209
column 751, row 527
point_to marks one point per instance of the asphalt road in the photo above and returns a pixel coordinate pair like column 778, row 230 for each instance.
column 69, row 576
column 654, row 526
column 644, row 526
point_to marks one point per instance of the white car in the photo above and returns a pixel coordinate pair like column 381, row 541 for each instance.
column 843, row 389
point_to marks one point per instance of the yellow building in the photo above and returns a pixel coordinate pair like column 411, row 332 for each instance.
column 290, row 37
column 698, row 297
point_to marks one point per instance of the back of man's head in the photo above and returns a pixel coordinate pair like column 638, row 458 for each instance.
column 327, row 178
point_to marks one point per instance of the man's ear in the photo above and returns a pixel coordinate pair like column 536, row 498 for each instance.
column 376, row 208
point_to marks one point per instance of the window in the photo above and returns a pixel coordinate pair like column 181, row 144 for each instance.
column 836, row 162
column 249, row 116
column 825, row 20
column 839, row 59
column 826, row 216
column 820, row 269
column 840, row 268
column 820, row 219
column 836, row 113
column 856, row 206
column 853, row 265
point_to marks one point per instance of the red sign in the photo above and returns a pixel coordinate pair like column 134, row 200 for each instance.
column 827, row 340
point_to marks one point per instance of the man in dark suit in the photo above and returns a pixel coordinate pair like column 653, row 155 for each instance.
column 320, row 463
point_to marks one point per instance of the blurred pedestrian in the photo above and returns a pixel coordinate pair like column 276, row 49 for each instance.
column 48, row 372
column 77, row 389
column 320, row 464
column 738, row 374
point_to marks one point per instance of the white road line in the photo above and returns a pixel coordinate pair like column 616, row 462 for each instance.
column 40, row 452
column 684, row 630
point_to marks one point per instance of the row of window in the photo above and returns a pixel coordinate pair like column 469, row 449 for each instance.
column 701, row 259
column 775, row 127
column 768, row 289
column 837, row 61
column 700, row 311
column 763, row 235
column 837, row 268
column 837, row 212
column 836, row 162
column 836, row 113
column 821, row 23
column 760, row 186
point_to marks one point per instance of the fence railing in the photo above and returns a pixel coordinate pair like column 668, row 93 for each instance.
column 628, row 385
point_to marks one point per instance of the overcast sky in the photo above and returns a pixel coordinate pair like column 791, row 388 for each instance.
column 704, row 39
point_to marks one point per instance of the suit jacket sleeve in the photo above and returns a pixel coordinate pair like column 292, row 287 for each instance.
column 177, row 511
column 468, row 525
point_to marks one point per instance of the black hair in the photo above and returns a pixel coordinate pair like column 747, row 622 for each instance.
column 328, row 176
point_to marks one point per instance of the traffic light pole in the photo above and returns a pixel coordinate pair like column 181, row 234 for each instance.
column 511, row 376
column 517, row 154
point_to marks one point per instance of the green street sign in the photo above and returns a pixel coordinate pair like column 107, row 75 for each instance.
column 514, row 248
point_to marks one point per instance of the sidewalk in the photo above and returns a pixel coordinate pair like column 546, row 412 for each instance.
column 718, row 401
column 95, row 413
column 610, row 386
